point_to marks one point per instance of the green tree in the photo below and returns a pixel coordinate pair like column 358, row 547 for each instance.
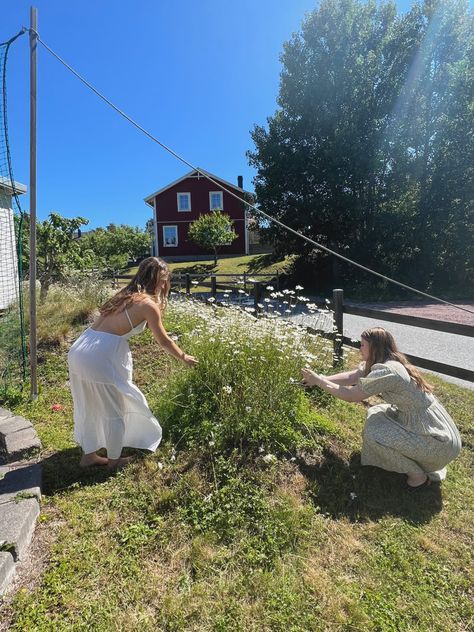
column 212, row 231
column 58, row 251
column 115, row 245
column 375, row 111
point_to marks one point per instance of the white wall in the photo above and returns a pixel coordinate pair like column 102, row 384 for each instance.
column 8, row 257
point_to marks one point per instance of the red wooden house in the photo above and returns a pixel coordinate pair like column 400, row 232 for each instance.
column 181, row 202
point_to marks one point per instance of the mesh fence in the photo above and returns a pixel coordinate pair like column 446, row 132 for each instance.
column 12, row 225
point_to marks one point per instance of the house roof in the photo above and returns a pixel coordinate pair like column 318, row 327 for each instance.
column 194, row 173
column 5, row 183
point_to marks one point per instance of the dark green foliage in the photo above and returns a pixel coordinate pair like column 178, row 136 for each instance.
column 371, row 150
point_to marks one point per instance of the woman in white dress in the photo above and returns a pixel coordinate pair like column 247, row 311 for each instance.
column 109, row 410
column 412, row 433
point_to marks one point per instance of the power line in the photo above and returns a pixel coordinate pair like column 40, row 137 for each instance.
column 219, row 184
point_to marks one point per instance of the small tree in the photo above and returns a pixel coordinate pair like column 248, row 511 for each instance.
column 58, row 251
column 212, row 231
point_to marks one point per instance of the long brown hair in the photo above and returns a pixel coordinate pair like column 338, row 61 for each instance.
column 382, row 347
column 152, row 279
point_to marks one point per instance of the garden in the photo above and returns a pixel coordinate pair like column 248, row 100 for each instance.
column 254, row 513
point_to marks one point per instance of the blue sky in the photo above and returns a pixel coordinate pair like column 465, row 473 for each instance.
column 197, row 75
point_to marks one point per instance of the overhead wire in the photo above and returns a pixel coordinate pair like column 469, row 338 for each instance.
column 230, row 192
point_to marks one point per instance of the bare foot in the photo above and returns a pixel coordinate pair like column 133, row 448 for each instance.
column 91, row 459
column 118, row 464
column 417, row 480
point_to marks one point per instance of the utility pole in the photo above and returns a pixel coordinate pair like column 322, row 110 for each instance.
column 33, row 339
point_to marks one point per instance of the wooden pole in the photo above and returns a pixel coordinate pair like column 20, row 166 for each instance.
column 338, row 306
column 257, row 293
column 188, row 283
column 32, row 270
column 213, row 285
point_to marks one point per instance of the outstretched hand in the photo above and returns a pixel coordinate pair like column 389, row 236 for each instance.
column 310, row 378
column 190, row 360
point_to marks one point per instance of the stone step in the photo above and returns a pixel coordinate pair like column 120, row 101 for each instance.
column 7, row 570
column 19, row 440
column 18, row 481
column 14, row 424
column 4, row 414
column 17, row 524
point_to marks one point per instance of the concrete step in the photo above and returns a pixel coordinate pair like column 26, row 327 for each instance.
column 7, row 570
column 4, row 414
column 17, row 524
column 18, row 481
column 18, row 438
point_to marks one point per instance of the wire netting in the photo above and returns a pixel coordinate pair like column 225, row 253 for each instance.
column 13, row 359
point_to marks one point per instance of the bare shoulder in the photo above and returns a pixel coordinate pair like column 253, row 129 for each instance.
column 149, row 309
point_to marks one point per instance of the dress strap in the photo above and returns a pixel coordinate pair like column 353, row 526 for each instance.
column 129, row 319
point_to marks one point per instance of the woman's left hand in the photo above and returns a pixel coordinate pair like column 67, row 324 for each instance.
column 310, row 378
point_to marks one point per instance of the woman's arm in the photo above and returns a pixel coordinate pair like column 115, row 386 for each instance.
column 151, row 312
column 349, row 378
column 347, row 393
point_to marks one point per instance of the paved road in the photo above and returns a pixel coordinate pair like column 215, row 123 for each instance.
column 424, row 343
column 434, row 345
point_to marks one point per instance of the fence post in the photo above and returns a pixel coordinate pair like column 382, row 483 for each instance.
column 278, row 280
column 338, row 307
column 213, row 285
column 245, row 282
column 257, row 292
column 188, row 283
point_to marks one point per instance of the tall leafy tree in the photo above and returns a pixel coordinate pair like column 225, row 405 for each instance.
column 363, row 126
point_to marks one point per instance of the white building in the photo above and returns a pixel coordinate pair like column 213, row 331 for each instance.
column 8, row 254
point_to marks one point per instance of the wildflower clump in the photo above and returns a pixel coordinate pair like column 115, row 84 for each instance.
column 246, row 390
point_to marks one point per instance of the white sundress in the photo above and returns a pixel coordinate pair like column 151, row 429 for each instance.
column 109, row 410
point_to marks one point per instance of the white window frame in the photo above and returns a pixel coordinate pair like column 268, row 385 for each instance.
column 221, row 207
column 183, row 210
column 165, row 245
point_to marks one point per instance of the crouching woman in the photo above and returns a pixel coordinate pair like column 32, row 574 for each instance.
column 411, row 433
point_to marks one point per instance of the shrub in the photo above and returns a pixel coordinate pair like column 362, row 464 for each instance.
column 246, row 391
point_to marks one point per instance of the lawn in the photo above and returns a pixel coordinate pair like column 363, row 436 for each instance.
column 248, row 264
column 254, row 514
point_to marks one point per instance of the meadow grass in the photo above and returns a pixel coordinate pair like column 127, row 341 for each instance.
column 251, row 520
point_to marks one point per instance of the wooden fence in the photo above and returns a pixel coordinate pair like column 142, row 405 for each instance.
column 340, row 308
column 253, row 283
column 232, row 282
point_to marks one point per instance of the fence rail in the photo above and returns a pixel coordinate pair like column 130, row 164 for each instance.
column 340, row 308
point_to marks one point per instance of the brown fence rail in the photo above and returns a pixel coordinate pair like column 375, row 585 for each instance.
column 340, row 308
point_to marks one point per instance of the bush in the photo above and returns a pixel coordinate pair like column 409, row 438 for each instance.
column 68, row 305
column 245, row 392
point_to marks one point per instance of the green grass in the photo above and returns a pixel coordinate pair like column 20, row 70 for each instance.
column 249, row 264
column 213, row 538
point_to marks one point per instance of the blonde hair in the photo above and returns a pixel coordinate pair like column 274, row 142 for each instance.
column 152, row 279
column 382, row 347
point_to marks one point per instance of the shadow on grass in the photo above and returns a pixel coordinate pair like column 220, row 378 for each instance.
column 196, row 268
column 61, row 471
column 343, row 488
column 261, row 262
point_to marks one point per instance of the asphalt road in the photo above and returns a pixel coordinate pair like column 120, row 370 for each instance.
column 433, row 345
